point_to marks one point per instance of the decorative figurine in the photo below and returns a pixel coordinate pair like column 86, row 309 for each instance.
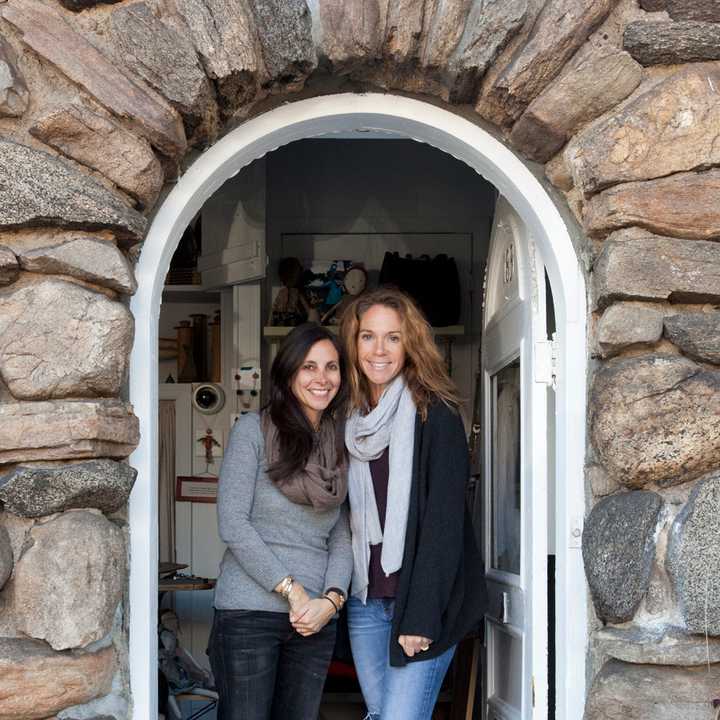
column 291, row 307
column 209, row 443
column 354, row 283
column 334, row 286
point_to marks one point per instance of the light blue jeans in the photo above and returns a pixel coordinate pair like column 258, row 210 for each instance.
column 391, row 693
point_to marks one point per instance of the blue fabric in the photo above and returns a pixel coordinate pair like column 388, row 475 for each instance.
column 391, row 693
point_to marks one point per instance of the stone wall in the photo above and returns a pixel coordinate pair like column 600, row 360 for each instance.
column 103, row 103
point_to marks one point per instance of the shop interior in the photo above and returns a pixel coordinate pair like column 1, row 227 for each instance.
column 305, row 227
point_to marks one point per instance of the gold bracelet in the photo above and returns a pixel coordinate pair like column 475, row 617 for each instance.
column 286, row 586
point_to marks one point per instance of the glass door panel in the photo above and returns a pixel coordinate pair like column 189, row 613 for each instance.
column 505, row 469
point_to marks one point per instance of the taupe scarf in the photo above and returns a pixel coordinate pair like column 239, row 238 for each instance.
column 322, row 483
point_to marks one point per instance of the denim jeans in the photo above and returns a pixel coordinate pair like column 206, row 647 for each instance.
column 391, row 693
column 264, row 670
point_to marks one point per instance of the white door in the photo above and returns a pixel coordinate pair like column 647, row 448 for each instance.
column 514, row 475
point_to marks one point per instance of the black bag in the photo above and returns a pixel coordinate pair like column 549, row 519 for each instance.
column 433, row 283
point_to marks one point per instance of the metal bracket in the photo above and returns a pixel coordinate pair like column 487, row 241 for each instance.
column 504, row 615
column 546, row 362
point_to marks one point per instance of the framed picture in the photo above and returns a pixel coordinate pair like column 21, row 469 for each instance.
column 195, row 488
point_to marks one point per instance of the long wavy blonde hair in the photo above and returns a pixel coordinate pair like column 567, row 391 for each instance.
column 424, row 370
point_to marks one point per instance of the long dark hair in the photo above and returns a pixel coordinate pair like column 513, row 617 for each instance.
column 294, row 431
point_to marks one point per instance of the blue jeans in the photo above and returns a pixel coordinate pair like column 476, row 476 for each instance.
column 264, row 670
column 391, row 693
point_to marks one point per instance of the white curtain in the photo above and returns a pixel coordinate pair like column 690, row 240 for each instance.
column 166, row 482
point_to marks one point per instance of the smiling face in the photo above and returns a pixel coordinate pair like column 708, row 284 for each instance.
column 380, row 348
column 317, row 380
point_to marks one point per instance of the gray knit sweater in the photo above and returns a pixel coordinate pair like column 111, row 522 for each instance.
column 270, row 537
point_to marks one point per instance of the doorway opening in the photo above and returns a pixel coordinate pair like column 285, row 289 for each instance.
column 232, row 273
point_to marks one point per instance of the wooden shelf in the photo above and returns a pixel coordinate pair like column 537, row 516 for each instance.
column 190, row 294
column 275, row 333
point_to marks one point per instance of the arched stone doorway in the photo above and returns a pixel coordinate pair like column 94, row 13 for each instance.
column 478, row 149
column 610, row 95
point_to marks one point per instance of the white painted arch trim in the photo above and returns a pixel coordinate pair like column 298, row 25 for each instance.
column 497, row 164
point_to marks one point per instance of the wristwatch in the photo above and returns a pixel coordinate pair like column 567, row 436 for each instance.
column 339, row 593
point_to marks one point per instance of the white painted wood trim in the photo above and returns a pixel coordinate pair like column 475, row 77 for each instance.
column 477, row 148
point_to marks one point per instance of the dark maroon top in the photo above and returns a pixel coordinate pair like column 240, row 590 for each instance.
column 380, row 585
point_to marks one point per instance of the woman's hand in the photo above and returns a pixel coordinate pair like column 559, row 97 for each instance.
column 414, row 644
column 298, row 598
column 313, row 617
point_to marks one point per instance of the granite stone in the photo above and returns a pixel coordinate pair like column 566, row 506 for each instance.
column 696, row 334
column 655, row 419
column 637, row 265
column 48, row 192
column 51, row 681
column 68, row 583
column 619, row 550
column 671, row 43
column 626, row 691
column 664, row 645
column 35, row 491
column 62, row 340
column 693, row 558
column 624, row 324
column 89, row 258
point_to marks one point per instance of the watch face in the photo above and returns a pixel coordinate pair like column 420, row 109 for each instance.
column 355, row 280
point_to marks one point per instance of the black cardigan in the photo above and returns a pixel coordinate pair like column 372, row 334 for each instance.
column 441, row 590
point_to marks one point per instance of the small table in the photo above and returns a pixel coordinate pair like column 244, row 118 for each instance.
column 167, row 568
column 181, row 583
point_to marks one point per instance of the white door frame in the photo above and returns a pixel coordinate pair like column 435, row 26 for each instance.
column 475, row 147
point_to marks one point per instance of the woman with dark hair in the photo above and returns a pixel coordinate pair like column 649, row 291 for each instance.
column 282, row 513
column 418, row 585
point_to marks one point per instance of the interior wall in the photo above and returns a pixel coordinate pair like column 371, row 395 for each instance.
column 381, row 194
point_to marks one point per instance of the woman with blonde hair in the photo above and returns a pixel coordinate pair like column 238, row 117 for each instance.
column 417, row 586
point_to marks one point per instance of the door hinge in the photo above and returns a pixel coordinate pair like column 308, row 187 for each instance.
column 533, row 690
column 546, row 362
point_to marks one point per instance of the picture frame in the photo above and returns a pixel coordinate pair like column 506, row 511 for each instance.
column 196, row 488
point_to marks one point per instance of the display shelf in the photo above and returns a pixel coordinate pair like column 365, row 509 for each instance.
column 190, row 294
column 275, row 333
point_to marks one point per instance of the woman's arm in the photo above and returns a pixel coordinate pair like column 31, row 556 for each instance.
column 440, row 536
column 236, row 490
column 318, row 613
column 340, row 556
